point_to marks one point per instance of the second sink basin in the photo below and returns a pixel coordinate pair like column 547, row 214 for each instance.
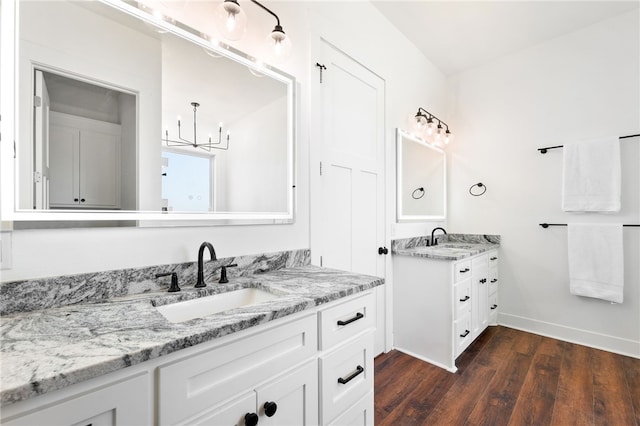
column 209, row 305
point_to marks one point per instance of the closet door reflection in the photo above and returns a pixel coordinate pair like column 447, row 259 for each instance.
column 187, row 182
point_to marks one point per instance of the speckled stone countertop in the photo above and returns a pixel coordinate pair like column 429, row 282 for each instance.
column 48, row 349
column 449, row 247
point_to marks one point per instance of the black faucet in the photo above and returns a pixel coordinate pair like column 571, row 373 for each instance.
column 433, row 241
column 200, row 283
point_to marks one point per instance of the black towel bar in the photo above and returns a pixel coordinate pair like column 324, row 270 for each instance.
column 546, row 225
column 545, row 149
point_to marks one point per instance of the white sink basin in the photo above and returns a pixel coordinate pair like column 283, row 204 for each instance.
column 209, row 305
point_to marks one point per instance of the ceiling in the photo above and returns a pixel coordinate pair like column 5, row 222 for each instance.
column 457, row 35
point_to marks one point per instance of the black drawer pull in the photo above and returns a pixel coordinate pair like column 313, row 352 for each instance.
column 494, row 306
column 465, row 334
column 349, row 321
column 493, row 258
column 358, row 371
column 465, row 299
column 462, row 271
column 494, row 280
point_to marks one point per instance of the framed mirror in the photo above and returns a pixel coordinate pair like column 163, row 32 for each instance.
column 121, row 114
column 421, row 192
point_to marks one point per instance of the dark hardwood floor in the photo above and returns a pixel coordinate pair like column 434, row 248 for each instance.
column 509, row 377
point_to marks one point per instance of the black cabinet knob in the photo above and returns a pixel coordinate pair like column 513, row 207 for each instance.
column 75, row 199
column 465, row 299
column 270, row 408
column 82, row 200
column 383, row 250
column 251, row 419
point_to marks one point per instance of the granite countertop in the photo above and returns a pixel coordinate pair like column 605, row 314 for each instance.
column 449, row 247
column 48, row 349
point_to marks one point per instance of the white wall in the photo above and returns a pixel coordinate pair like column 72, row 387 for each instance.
column 259, row 150
column 355, row 27
column 581, row 85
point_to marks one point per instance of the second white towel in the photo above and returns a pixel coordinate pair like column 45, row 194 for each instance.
column 591, row 178
column 596, row 261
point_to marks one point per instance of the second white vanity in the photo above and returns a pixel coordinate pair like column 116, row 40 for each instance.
column 444, row 296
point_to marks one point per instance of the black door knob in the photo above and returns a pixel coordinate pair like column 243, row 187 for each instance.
column 251, row 419
column 270, row 408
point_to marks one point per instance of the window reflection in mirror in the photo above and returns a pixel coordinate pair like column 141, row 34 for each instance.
column 421, row 179
column 187, row 182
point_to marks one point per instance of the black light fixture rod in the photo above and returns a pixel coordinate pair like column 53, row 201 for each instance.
column 195, row 126
column 429, row 115
column 545, row 149
column 267, row 10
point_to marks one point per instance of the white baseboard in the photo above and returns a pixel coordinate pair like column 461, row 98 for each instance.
column 430, row 361
column 573, row 335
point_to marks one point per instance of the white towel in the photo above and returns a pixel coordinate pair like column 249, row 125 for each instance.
column 596, row 262
column 591, row 176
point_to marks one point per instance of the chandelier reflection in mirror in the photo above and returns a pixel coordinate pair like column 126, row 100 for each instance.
column 208, row 146
column 232, row 24
column 429, row 128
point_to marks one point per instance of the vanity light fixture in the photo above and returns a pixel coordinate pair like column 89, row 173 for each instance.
column 232, row 22
column 208, row 146
column 425, row 127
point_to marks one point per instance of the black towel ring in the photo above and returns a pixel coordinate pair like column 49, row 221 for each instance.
column 420, row 190
column 480, row 185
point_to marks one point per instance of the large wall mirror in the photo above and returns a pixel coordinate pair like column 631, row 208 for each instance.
column 125, row 116
column 421, row 192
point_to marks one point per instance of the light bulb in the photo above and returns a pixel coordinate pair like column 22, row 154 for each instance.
column 439, row 134
column 418, row 125
column 431, row 126
column 231, row 20
column 279, row 46
column 448, row 137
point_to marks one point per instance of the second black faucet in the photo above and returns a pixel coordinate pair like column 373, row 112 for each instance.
column 200, row 283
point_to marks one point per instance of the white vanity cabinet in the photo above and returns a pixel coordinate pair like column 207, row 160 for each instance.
column 84, row 163
column 235, row 380
column 441, row 306
column 114, row 401
column 313, row 367
column 346, row 361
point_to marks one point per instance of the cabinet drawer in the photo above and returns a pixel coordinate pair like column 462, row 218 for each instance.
column 493, row 309
column 359, row 414
column 462, row 270
column 493, row 280
column 481, row 261
column 462, row 301
column 346, row 376
column 122, row 403
column 463, row 333
column 189, row 386
column 341, row 322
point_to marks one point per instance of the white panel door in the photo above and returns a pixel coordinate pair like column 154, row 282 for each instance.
column 351, row 225
column 41, row 143
column 99, row 169
column 64, row 163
